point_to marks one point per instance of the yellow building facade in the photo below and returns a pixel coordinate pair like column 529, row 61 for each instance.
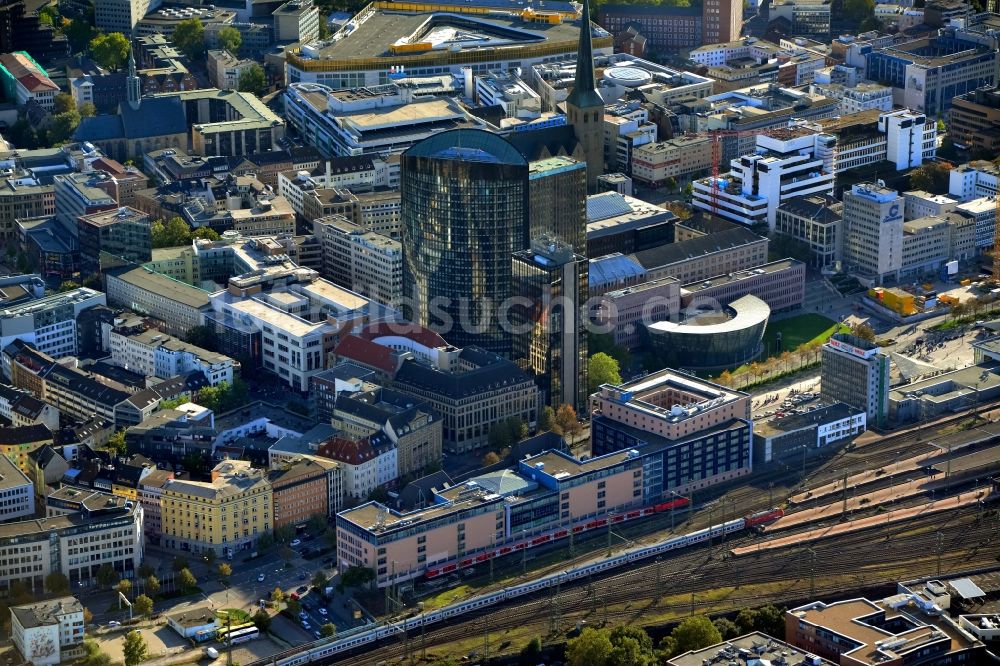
column 225, row 515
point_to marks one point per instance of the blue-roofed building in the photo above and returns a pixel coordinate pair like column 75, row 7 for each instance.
column 620, row 223
column 614, row 271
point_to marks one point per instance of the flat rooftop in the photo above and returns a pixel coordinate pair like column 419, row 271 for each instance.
column 376, row 31
column 750, row 649
column 275, row 317
column 157, row 283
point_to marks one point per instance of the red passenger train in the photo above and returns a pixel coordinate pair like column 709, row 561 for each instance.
column 561, row 533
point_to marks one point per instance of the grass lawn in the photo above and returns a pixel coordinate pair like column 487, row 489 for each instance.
column 238, row 615
column 799, row 330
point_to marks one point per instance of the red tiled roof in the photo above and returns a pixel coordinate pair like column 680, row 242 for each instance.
column 366, row 353
column 347, row 451
column 27, row 74
column 415, row 332
column 36, row 83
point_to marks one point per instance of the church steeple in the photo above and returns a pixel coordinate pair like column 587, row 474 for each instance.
column 584, row 105
column 133, row 85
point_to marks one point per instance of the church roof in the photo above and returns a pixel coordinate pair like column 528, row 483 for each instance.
column 584, row 94
column 156, row 116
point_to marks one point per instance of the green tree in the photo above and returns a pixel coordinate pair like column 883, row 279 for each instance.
column 294, row 606
column 48, row 15
column 863, row 331
column 603, row 342
column 277, row 595
column 531, row 651
column 189, row 37
column 602, row 369
column 88, row 110
column 203, row 336
column 62, row 126
column 262, row 620
column 186, row 580
column 859, row 10
column 79, row 32
column 125, row 586
column 931, row 176
column 173, row 233
column 68, row 285
column 694, row 633
column 63, row 102
column 92, row 654
column 57, row 583
column 225, row 571
column 328, row 630
column 152, row 584
column 88, row 617
column 356, row 576
column 490, row 458
column 20, row 593
column 567, row 422
column 134, row 649
column 590, row 648
column 230, row 40
column 107, row 576
column 546, row 419
column 143, row 605
column 205, row 233
column 319, row 580
column 110, row 50
column 726, row 627
column 771, row 620
column 252, row 80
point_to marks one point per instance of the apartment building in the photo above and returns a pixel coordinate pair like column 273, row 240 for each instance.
column 170, row 435
column 150, row 492
column 225, row 515
column 626, row 127
column 17, row 492
column 154, row 354
column 301, row 490
column 225, row 69
column 46, row 632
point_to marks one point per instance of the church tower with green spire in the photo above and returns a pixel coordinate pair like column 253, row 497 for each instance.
column 584, row 106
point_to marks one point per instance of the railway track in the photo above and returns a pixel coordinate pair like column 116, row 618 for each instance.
column 966, row 540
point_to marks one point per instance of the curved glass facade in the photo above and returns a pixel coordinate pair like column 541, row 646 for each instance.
column 723, row 345
column 464, row 212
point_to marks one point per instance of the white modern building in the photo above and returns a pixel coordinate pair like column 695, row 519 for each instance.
column 862, row 96
column 873, row 223
column 46, row 631
column 361, row 173
column 785, row 166
column 918, row 203
column 973, row 180
column 49, row 323
column 626, row 127
column 121, row 15
column 507, row 91
column 155, row 354
column 750, row 48
column 984, row 211
column 366, row 121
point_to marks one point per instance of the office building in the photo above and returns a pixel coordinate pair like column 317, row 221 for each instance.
column 122, row 15
column 974, row 121
column 926, row 246
column 908, row 627
column 974, row 180
column 46, row 632
column 863, row 96
column 622, row 223
column 225, row 69
column 550, row 284
column 724, row 336
column 225, row 515
column 125, row 233
column 78, row 194
column 557, row 196
column 380, row 40
column 296, row 21
column 701, row 257
column 465, row 211
column 873, row 223
column 91, row 529
column 780, row 284
column 856, row 373
column 24, row 80
column 676, row 28
column 179, row 306
column 626, row 128
column 816, row 220
column 926, row 74
column 623, row 312
column 50, row 323
column 585, row 106
column 793, row 438
column 918, row 203
column 363, row 261
column 170, row 435
column 24, row 197
column 984, row 211
column 806, row 18
column 786, row 165
column 677, row 158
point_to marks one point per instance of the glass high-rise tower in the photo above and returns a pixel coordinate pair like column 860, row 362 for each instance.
column 464, row 212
